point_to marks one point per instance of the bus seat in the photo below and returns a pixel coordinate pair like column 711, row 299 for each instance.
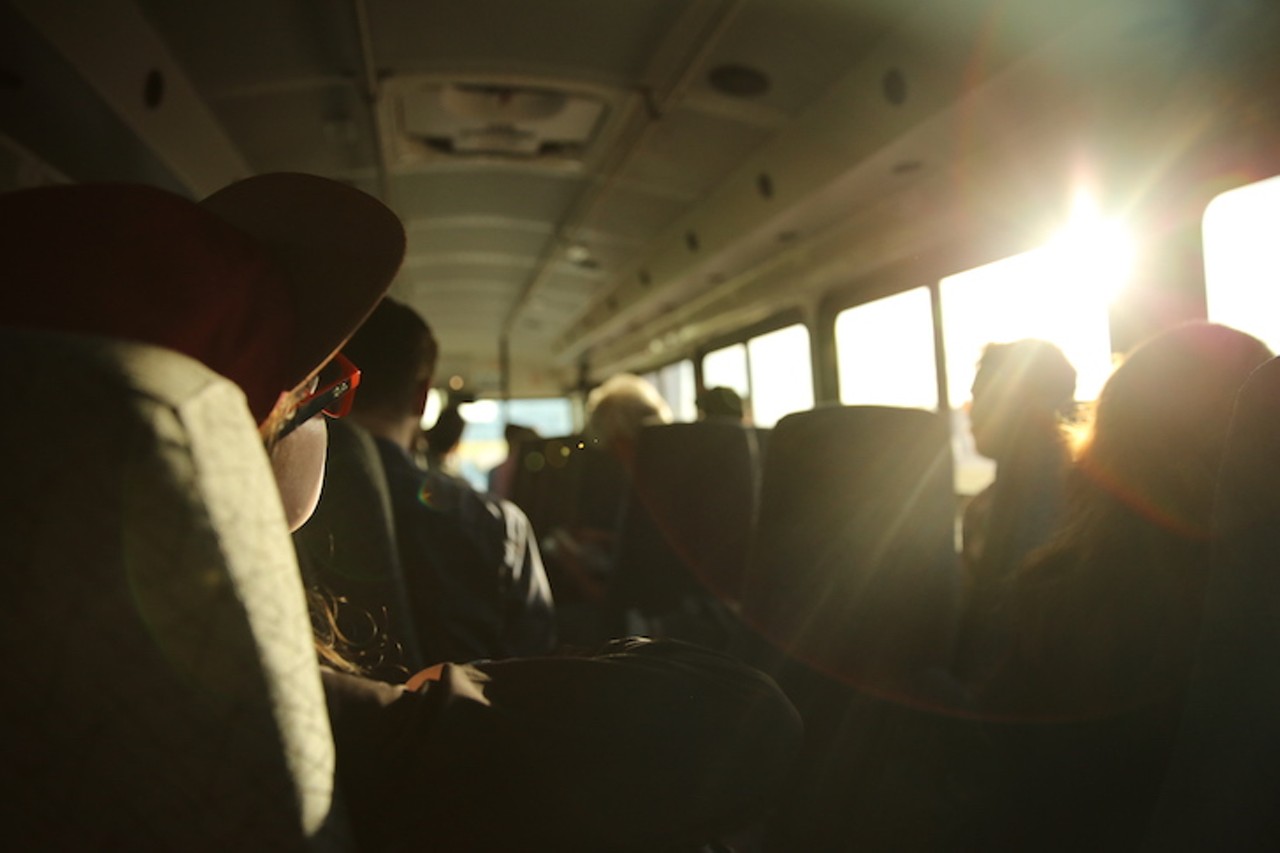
column 348, row 547
column 852, row 568
column 567, row 483
column 1224, row 779
column 547, row 481
column 164, row 692
column 686, row 523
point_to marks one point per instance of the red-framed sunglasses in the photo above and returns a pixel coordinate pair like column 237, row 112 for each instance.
column 335, row 392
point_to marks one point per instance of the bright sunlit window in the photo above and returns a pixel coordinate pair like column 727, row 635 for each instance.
column 1242, row 260
column 885, row 353
column 781, row 374
column 1060, row 292
column 483, row 445
column 435, row 402
column 675, row 382
column 727, row 367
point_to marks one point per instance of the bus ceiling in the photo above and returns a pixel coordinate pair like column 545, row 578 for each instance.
column 609, row 184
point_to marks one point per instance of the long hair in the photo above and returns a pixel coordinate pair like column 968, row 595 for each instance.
column 1107, row 613
column 322, row 605
column 1149, row 464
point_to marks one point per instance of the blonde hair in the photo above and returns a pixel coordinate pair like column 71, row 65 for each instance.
column 619, row 408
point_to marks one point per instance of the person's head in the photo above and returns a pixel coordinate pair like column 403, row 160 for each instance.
column 721, row 403
column 397, row 355
column 619, row 408
column 262, row 282
column 1021, row 388
column 1161, row 422
column 444, row 435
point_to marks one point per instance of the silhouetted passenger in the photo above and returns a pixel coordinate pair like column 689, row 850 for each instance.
column 1106, row 612
column 475, row 578
column 1022, row 393
column 1106, row 616
column 720, row 402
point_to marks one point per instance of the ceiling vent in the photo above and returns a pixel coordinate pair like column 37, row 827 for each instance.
column 484, row 119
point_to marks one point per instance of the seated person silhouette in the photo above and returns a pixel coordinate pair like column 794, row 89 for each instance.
column 1022, row 395
column 721, row 403
column 475, row 579
column 1105, row 617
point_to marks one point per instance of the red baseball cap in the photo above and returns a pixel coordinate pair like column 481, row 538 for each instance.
column 262, row 281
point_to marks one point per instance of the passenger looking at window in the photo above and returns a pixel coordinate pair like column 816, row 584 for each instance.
column 1022, row 395
column 209, row 730
column 1106, row 611
column 1106, row 616
column 475, row 579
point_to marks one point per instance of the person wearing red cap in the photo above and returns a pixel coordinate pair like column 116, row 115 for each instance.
column 644, row 746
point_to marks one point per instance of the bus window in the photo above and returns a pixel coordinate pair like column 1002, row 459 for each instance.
column 1242, row 260
column 548, row 416
column 675, row 383
column 435, row 402
column 727, row 367
column 781, row 374
column 885, row 354
column 1060, row 293
column 483, row 445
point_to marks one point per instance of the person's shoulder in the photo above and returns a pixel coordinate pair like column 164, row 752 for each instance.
column 443, row 492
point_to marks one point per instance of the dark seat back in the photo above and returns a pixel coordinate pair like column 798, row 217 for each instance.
column 163, row 688
column 348, row 548
column 687, row 523
column 1222, row 788
column 567, row 482
column 853, row 568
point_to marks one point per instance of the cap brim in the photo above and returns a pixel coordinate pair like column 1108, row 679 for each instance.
column 338, row 247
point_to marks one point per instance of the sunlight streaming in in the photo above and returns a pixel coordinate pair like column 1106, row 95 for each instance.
column 781, row 374
column 885, row 352
column 1060, row 292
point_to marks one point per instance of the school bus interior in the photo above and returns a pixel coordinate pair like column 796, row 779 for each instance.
column 809, row 202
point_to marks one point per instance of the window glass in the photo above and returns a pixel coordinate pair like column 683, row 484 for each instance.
column 435, row 402
column 676, row 385
column 483, row 445
column 549, row 416
column 885, row 353
column 781, row 374
column 1060, row 293
column 1242, row 260
column 727, row 367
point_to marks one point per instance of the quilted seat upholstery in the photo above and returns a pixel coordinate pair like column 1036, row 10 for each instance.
column 163, row 691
